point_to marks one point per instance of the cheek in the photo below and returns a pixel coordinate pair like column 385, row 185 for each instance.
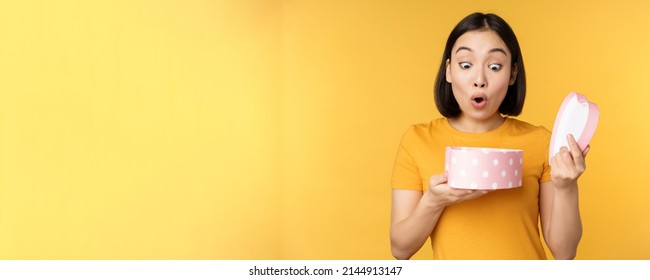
column 457, row 78
column 501, row 81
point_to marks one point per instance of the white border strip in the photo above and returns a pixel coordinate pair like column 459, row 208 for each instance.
column 279, row 269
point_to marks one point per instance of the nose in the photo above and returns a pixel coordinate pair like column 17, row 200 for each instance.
column 479, row 80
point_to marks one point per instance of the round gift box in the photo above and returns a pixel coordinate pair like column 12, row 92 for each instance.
column 483, row 168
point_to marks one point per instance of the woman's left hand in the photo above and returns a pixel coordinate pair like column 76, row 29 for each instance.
column 567, row 165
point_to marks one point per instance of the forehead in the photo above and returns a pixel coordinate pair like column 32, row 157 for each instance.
column 481, row 41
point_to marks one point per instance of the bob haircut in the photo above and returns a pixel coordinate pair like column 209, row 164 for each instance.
column 513, row 103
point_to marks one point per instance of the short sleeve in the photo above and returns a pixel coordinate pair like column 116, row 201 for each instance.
column 546, row 171
column 406, row 175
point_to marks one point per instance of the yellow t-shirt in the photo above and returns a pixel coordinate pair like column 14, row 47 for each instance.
column 502, row 224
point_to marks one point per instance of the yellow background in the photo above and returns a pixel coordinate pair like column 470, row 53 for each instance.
column 262, row 129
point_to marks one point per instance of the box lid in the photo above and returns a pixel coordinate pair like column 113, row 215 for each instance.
column 577, row 116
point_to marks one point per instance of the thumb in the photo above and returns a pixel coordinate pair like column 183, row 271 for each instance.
column 437, row 179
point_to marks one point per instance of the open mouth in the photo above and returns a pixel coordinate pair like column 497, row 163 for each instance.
column 479, row 101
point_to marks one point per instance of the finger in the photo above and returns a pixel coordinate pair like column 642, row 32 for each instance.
column 459, row 193
column 576, row 152
column 437, row 179
column 552, row 162
column 566, row 158
column 565, row 153
column 475, row 194
column 557, row 164
column 562, row 160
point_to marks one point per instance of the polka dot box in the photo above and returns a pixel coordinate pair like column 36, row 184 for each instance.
column 483, row 168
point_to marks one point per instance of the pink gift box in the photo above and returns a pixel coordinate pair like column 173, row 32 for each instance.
column 483, row 168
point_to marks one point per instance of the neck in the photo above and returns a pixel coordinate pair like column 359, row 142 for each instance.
column 469, row 125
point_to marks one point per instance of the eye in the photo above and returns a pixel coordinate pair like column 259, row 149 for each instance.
column 495, row 67
column 465, row 65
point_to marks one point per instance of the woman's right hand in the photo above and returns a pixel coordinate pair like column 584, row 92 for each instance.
column 443, row 195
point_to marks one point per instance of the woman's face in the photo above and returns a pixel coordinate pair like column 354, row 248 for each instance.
column 480, row 72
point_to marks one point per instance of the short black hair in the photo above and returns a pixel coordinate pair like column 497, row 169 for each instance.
column 514, row 100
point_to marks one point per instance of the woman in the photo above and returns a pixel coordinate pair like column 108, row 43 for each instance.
column 479, row 87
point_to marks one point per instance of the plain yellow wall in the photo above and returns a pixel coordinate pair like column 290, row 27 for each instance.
column 140, row 129
column 267, row 129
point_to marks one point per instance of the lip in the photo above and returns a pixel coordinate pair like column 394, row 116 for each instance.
column 478, row 105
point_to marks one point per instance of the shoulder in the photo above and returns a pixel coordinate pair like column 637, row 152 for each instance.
column 525, row 128
column 425, row 129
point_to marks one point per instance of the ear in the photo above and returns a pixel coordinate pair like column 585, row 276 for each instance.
column 513, row 74
column 447, row 68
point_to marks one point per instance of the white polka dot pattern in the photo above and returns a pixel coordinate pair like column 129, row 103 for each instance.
column 481, row 168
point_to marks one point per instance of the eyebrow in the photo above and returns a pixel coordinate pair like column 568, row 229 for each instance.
column 491, row 51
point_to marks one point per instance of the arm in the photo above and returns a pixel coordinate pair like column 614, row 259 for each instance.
column 415, row 214
column 559, row 207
